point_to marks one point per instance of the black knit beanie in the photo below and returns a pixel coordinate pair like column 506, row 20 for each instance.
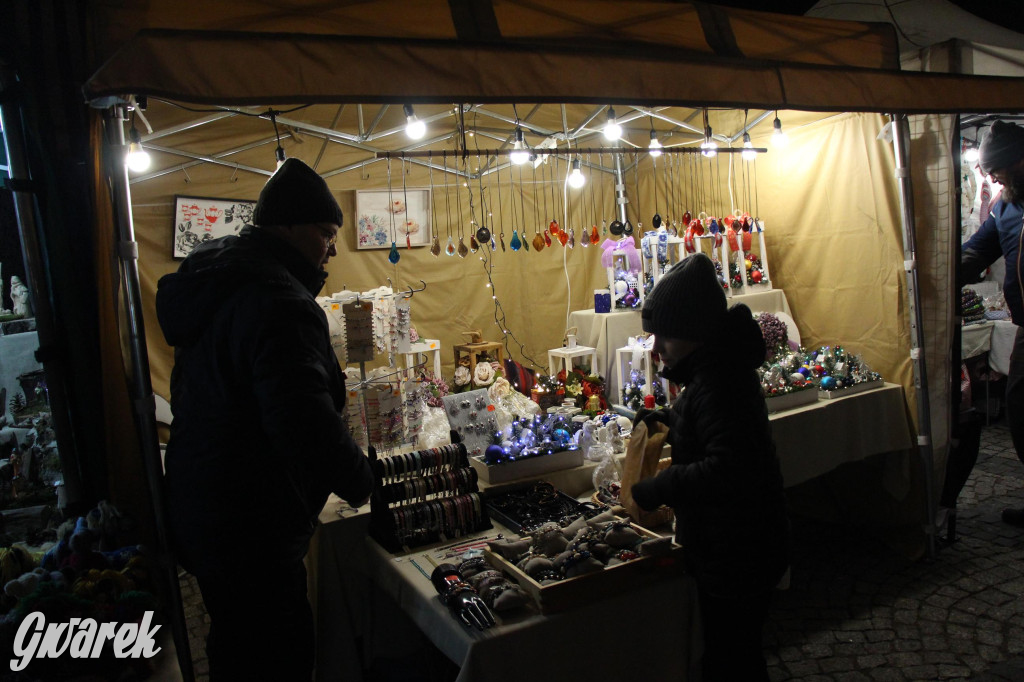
column 687, row 303
column 296, row 195
column 1002, row 147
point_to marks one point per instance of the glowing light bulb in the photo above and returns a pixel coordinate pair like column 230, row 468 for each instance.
column 612, row 129
column 654, row 148
column 576, row 179
column 972, row 155
column 779, row 138
column 414, row 127
column 709, row 147
column 748, row 153
column 519, row 154
column 137, row 158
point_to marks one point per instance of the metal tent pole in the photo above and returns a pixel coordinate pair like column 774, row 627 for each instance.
column 140, row 385
column 901, row 145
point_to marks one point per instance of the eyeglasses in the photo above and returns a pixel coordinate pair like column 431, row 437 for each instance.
column 330, row 236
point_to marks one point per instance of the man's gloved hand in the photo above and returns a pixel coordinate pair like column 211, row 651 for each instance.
column 645, row 494
column 648, row 417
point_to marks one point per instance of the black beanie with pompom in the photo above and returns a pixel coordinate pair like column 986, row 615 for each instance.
column 687, row 302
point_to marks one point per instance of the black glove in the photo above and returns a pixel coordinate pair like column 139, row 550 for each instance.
column 645, row 494
column 648, row 417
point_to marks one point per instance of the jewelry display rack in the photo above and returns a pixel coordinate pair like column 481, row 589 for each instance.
column 423, row 497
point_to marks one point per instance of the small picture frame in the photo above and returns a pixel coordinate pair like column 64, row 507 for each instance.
column 200, row 219
column 404, row 213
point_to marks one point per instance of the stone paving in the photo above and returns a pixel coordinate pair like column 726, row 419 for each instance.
column 857, row 612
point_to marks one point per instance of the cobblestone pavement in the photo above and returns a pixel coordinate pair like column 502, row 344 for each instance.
column 857, row 612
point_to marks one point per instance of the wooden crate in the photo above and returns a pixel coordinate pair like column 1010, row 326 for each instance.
column 591, row 587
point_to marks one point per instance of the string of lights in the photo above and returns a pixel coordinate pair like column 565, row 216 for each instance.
column 500, row 319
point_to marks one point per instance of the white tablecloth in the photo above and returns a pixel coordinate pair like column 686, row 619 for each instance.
column 992, row 337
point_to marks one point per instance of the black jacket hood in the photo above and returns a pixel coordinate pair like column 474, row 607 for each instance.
column 187, row 300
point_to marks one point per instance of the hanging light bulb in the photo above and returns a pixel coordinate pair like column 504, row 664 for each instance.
column 137, row 158
column 519, row 154
column 779, row 138
column 709, row 147
column 971, row 155
column 654, row 148
column 748, row 153
column 576, row 179
column 414, row 127
column 612, row 129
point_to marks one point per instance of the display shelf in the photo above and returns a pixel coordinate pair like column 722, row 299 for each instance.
column 562, row 358
column 851, row 390
column 585, row 589
column 528, row 467
column 788, row 401
column 427, row 347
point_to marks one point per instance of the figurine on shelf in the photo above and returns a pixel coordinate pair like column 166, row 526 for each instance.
column 22, row 307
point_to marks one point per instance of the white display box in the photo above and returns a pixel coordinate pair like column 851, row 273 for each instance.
column 559, row 358
column 531, row 467
column 851, row 390
column 623, row 358
column 788, row 401
column 430, row 349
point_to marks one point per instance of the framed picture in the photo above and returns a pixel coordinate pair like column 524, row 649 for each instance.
column 200, row 219
column 378, row 209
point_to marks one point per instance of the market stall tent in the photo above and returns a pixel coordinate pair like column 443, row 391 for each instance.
column 835, row 207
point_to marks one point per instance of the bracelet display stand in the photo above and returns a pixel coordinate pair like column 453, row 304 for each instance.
column 424, row 497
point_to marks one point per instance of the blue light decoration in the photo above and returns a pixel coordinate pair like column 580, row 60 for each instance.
column 532, row 437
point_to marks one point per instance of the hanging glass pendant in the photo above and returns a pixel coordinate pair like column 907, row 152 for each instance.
column 394, row 256
column 463, row 250
column 686, row 219
column 562, row 237
column 594, row 237
column 483, row 234
column 526, row 245
column 554, row 229
column 501, row 240
column 538, row 242
column 547, row 239
column 584, row 238
column 408, row 241
column 450, row 248
column 572, row 238
column 515, row 244
column 604, row 227
column 473, row 246
column 435, row 246
column 656, row 221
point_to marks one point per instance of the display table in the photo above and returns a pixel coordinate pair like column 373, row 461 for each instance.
column 607, row 332
column 657, row 624
column 994, row 337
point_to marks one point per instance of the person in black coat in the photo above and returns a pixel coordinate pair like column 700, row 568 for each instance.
column 257, row 441
column 724, row 483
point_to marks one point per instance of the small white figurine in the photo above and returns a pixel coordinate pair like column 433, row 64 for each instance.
column 19, row 296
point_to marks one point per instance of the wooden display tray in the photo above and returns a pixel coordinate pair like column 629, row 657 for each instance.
column 788, row 401
column 531, row 467
column 851, row 390
column 590, row 587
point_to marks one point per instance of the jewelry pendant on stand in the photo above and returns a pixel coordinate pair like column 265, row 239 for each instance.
column 450, row 248
column 393, row 256
column 515, row 244
column 463, row 250
column 435, row 247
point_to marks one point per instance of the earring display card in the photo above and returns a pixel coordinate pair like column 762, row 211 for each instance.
column 359, row 330
column 471, row 415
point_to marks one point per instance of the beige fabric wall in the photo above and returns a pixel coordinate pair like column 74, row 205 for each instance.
column 829, row 203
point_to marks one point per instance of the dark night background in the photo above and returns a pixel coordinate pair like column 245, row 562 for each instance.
column 1008, row 13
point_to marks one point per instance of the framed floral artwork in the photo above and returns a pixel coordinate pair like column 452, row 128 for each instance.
column 199, row 219
column 381, row 213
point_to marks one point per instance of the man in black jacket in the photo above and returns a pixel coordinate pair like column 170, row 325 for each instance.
column 258, row 441
column 1002, row 157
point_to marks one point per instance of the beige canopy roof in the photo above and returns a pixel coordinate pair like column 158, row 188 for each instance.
column 503, row 51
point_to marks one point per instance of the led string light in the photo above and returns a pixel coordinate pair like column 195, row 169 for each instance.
column 500, row 318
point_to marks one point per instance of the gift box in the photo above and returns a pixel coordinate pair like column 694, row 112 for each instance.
column 602, row 300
